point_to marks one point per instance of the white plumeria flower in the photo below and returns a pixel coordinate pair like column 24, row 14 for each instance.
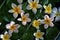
column 16, row 10
column 19, row 1
column 5, row 36
column 24, row 18
column 12, row 27
column 39, row 35
column 33, row 5
column 56, row 13
column 47, row 21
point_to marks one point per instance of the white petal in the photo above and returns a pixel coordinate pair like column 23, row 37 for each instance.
column 42, row 21
column 52, row 15
column 16, row 30
column 36, row 38
column 44, row 6
column 15, row 15
column 1, row 36
column 29, row 20
column 12, row 23
column 52, row 18
column 54, row 10
column 45, row 26
column 27, row 14
column 24, row 23
column 29, row 1
column 42, row 38
column 34, row 34
column 13, row 5
column 10, row 32
column 8, row 26
column 0, row 23
column 34, row 11
column 17, row 26
column 39, row 6
column 36, row 1
column 46, row 16
column 59, row 9
column 20, row 6
column 57, row 18
column 51, row 24
column 11, row 11
column 28, row 7
column 5, row 32
column 19, row 1
column 19, row 19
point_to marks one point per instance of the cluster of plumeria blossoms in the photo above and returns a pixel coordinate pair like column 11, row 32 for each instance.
column 34, row 5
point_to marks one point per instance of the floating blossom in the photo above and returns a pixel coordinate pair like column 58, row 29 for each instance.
column 12, row 27
column 24, row 18
column 6, row 36
column 19, row 1
column 16, row 10
column 33, row 5
column 47, row 21
column 38, row 35
column 48, row 9
column 56, row 13
column 36, row 23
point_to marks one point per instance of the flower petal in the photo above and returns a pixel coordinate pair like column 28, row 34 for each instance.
column 42, row 38
column 15, row 15
column 57, row 18
column 36, row 38
column 20, row 6
column 19, row 19
column 45, row 26
column 11, row 11
column 16, row 30
column 29, row 20
column 24, row 23
column 1, row 36
column 17, row 26
column 29, row 1
column 46, row 16
column 27, row 14
column 13, row 5
column 28, row 7
column 39, row 6
column 0, row 23
column 12, row 23
column 54, row 10
column 5, row 32
column 51, row 24
column 34, row 11
column 8, row 26
column 10, row 32
column 52, row 15
column 19, row 1
column 36, row 1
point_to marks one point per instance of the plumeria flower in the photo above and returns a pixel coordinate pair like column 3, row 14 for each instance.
column 48, row 8
column 56, row 13
column 16, row 10
column 36, row 23
column 5, row 36
column 47, row 21
column 19, row 1
column 12, row 27
column 24, row 18
column 33, row 5
column 39, row 35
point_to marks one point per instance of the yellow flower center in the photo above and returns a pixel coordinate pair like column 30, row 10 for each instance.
column 13, row 27
column 24, row 18
column 34, row 5
column 48, row 9
column 36, row 23
column 38, row 34
column 47, row 21
column 17, row 10
column 6, row 37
